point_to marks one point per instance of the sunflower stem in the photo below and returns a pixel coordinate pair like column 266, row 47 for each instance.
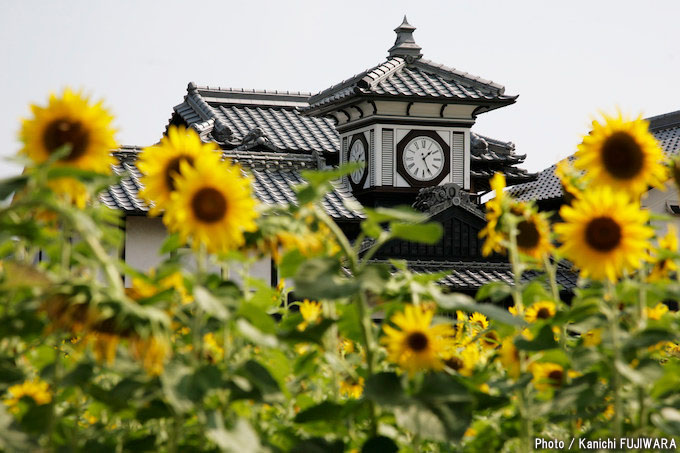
column 610, row 296
column 523, row 398
column 202, row 265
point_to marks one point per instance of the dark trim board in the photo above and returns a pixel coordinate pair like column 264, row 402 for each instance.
column 404, row 121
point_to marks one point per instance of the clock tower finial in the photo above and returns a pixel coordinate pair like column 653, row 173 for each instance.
column 405, row 45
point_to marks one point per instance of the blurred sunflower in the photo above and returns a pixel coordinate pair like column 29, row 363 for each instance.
column 657, row 312
column 569, row 179
column 665, row 265
column 311, row 313
column 160, row 164
column 152, row 352
column 490, row 340
column 547, row 375
column 462, row 361
column 509, row 358
column 70, row 122
column 417, row 345
column 213, row 205
column 604, row 234
column 540, row 310
column 533, row 235
column 352, row 388
column 622, row 154
column 494, row 210
column 36, row 389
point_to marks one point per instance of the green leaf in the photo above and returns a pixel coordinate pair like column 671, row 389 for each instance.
column 327, row 411
column 76, row 173
column 143, row 443
column 153, row 410
column 668, row 421
column 253, row 334
column 379, row 444
column 426, row 233
column 171, row 243
column 312, row 334
column 441, row 387
column 260, row 376
column 544, row 340
column 290, row 263
column 80, row 375
column 398, row 214
column 210, row 304
column 320, row 278
column 649, row 337
column 374, row 277
column 457, row 301
column 257, row 317
column 241, row 438
column 319, row 445
column 9, row 372
column 421, row 421
column 385, row 388
column 11, row 438
column 494, row 291
column 10, row 185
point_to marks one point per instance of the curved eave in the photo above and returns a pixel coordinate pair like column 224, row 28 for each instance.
column 486, row 104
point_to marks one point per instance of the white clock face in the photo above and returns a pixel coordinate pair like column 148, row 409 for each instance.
column 423, row 158
column 357, row 153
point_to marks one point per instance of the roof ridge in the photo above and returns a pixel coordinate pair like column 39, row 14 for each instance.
column 371, row 82
column 253, row 91
column 448, row 70
column 345, row 83
column 664, row 121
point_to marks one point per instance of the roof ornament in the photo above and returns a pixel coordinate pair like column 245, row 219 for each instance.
column 405, row 45
column 256, row 138
column 221, row 131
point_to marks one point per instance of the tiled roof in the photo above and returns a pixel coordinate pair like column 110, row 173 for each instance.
column 665, row 128
column 274, row 114
column 471, row 275
column 274, row 175
column 415, row 78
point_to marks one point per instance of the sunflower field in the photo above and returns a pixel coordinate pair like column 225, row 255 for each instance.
column 96, row 356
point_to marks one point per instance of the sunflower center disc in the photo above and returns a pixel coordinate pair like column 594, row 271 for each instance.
column 209, row 205
column 556, row 377
column 603, row 234
column 172, row 170
column 527, row 235
column 63, row 132
column 543, row 313
column 622, row 156
column 490, row 339
column 417, row 341
column 455, row 363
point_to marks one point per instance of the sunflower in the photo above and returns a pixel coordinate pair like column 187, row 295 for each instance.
column 311, row 313
column 352, row 388
column 592, row 337
column 509, row 358
column 569, row 179
column 36, row 389
column 160, row 164
column 152, row 352
column 533, row 234
column 478, row 321
column 490, row 340
column 621, row 154
column 494, row 210
column 70, row 122
column 657, row 312
column 540, row 310
column 213, row 205
column 417, row 345
column 604, row 233
column 664, row 264
column 547, row 375
column 463, row 362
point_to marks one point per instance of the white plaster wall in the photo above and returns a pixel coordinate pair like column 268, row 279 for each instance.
column 143, row 239
column 656, row 201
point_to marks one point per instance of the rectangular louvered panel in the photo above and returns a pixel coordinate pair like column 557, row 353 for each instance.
column 388, row 157
column 458, row 158
column 371, row 158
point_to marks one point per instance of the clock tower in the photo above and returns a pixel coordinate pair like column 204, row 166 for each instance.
column 408, row 120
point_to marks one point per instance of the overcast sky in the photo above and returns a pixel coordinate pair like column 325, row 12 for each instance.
column 566, row 60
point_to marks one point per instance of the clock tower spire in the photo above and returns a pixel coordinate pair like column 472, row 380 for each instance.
column 405, row 45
